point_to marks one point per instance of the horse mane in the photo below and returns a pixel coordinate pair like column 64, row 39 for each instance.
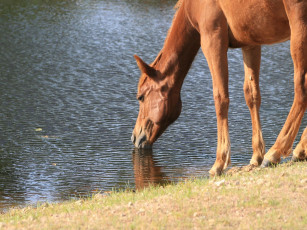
column 176, row 7
column 178, row 4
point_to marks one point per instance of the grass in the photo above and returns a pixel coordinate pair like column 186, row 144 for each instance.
column 274, row 198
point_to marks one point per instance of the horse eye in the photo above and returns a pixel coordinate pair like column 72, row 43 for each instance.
column 141, row 98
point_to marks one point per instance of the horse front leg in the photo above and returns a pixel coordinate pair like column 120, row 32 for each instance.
column 214, row 43
column 251, row 57
column 296, row 12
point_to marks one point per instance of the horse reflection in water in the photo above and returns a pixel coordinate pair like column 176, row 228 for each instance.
column 146, row 172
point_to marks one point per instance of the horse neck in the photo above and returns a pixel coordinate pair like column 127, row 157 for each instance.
column 180, row 48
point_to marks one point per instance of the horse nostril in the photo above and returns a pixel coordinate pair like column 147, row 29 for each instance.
column 133, row 138
column 140, row 141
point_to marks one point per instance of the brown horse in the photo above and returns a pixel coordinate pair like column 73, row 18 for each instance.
column 215, row 26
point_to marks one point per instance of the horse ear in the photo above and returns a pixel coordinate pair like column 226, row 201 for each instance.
column 151, row 72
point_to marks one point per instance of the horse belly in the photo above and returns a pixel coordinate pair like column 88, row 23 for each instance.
column 256, row 22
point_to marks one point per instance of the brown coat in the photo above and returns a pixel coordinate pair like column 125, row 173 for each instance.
column 216, row 25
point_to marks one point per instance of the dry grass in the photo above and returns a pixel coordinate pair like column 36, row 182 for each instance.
column 274, row 198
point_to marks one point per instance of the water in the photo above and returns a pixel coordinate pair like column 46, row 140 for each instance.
column 68, row 107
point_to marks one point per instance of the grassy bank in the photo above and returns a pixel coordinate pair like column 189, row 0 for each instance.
column 274, row 198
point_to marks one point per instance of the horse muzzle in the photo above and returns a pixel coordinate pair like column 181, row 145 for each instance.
column 140, row 141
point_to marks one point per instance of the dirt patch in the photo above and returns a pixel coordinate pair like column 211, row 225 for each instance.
column 237, row 170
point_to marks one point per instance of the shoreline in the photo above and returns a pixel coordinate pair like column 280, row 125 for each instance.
column 270, row 198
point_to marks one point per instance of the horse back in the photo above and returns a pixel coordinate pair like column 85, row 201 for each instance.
column 250, row 22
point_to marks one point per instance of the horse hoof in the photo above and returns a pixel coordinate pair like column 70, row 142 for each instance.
column 215, row 172
column 256, row 162
column 267, row 163
column 297, row 159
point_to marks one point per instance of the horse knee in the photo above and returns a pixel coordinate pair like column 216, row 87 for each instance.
column 221, row 104
column 252, row 95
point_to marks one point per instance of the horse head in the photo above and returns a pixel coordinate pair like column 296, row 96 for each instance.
column 160, row 105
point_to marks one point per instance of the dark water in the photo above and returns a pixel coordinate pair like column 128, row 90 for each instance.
column 68, row 107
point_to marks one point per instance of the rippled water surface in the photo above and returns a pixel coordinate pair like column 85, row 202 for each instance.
column 68, row 107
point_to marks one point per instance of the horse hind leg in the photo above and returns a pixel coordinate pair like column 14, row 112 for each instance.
column 300, row 152
column 297, row 15
column 251, row 57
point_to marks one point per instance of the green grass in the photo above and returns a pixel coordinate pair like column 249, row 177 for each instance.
column 273, row 198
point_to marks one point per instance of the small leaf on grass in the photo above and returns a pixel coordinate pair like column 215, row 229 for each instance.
column 38, row 129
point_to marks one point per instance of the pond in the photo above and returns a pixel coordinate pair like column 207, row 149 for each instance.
column 68, row 101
